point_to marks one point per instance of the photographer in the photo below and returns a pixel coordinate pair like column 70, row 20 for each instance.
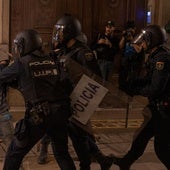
column 132, row 55
column 105, row 47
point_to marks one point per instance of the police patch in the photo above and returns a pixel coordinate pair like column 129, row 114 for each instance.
column 89, row 56
column 159, row 65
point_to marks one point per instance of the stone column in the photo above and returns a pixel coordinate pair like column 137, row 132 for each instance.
column 160, row 13
column 165, row 17
column 4, row 27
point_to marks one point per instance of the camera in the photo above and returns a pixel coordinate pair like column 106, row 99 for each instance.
column 128, row 33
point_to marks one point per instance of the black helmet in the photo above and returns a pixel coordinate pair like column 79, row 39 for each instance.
column 167, row 27
column 69, row 26
column 27, row 41
column 153, row 35
column 82, row 38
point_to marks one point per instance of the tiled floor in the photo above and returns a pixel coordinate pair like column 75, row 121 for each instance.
column 113, row 134
column 116, row 142
column 117, row 123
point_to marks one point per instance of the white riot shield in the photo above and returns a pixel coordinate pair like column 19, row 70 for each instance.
column 85, row 98
column 76, row 72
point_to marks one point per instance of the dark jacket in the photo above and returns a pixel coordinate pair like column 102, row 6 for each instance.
column 105, row 52
column 81, row 54
column 156, row 84
column 38, row 78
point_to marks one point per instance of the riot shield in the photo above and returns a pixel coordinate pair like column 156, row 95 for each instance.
column 85, row 98
column 77, row 71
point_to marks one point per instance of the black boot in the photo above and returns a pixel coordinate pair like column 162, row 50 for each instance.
column 124, row 163
column 104, row 161
column 43, row 158
column 121, row 164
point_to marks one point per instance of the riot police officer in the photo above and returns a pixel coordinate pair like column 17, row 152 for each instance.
column 156, row 86
column 65, row 33
column 42, row 84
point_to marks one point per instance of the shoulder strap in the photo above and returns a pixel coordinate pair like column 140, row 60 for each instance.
column 72, row 52
column 69, row 55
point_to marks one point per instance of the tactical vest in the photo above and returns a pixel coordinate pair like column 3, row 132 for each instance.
column 163, row 53
column 46, row 75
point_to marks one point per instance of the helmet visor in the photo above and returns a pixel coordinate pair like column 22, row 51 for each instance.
column 57, row 33
column 18, row 46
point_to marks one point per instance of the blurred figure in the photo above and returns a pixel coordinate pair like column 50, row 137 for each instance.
column 6, row 124
column 132, row 58
column 105, row 48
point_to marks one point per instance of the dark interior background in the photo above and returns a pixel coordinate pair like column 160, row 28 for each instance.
column 43, row 14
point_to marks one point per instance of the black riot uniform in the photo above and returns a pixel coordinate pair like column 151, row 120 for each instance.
column 158, row 92
column 83, row 142
column 155, row 86
column 105, row 48
column 47, row 102
column 65, row 32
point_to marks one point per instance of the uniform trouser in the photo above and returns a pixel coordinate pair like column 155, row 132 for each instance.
column 162, row 150
column 84, row 145
column 55, row 126
column 83, row 142
column 123, row 75
column 162, row 136
column 106, row 68
column 81, row 145
column 141, row 137
column 93, row 146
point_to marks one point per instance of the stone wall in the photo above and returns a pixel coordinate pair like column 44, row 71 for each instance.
column 160, row 13
column 4, row 28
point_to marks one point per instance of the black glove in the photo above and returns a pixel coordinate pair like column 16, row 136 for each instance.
column 128, row 91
